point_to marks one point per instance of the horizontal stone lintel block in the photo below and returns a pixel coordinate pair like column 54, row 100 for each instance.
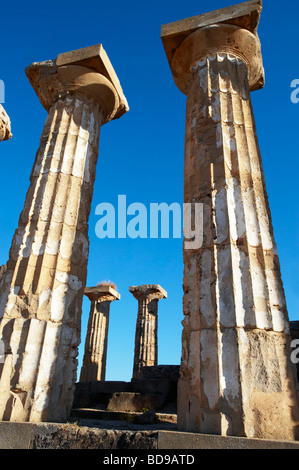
column 99, row 293
column 148, row 289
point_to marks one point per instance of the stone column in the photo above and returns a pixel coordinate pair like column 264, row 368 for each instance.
column 146, row 337
column 236, row 376
column 5, row 126
column 95, row 355
column 43, row 287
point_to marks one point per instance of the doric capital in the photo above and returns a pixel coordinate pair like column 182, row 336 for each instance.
column 232, row 30
column 150, row 291
column 86, row 71
column 102, row 293
column 5, row 129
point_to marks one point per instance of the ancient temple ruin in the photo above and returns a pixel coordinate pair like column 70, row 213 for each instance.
column 236, row 374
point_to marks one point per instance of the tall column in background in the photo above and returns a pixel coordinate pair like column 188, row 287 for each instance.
column 146, row 337
column 5, row 126
column 96, row 344
column 236, row 375
column 43, row 287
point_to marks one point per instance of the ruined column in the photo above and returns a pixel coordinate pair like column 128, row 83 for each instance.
column 96, row 343
column 146, row 336
column 236, row 376
column 5, row 126
column 43, row 287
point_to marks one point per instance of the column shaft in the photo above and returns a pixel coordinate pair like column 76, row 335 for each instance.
column 146, row 337
column 47, row 267
column 95, row 355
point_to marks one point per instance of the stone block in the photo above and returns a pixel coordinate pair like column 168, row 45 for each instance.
column 88, row 394
column 125, row 401
column 170, row 372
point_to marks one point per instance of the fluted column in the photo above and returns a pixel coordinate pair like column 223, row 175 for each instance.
column 5, row 126
column 146, row 336
column 96, row 343
column 236, row 376
column 42, row 289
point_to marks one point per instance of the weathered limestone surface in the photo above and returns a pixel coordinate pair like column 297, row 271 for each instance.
column 96, row 344
column 146, row 337
column 5, row 126
column 43, row 287
column 236, row 378
column 2, row 270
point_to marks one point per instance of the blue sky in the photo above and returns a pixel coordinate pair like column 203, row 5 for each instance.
column 142, row 154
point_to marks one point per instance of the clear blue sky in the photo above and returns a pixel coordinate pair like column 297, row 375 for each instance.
column 142, row 154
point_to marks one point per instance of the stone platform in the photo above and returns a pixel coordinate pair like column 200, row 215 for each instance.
column 71, row 436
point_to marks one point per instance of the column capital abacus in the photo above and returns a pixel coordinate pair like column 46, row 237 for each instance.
column 232, row 30
column 101, row 293
column 86, row 72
